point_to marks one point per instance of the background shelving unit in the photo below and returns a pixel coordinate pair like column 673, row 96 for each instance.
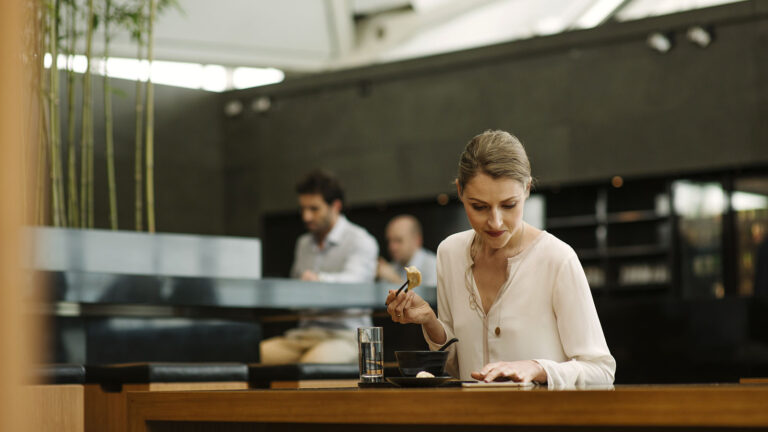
column 624, row 236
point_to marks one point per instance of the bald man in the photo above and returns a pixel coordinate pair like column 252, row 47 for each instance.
column 404, row 241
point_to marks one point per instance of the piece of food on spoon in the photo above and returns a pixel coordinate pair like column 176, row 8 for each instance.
column 414, row 277
column 424, row 374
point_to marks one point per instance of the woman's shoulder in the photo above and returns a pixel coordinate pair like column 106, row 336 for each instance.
column 554, row 248
column 455, row 244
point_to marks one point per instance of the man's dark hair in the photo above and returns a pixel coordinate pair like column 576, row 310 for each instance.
column 322, row 183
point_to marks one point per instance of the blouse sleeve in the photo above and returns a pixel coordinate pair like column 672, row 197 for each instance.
column 444, row 318
column 590, row 362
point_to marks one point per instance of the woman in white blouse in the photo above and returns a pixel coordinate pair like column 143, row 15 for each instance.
column 515, row 296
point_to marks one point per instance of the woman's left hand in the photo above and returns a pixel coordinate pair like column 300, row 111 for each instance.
column 520, row 371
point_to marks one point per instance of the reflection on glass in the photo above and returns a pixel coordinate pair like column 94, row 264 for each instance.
column 700, row 207
column 750, row 204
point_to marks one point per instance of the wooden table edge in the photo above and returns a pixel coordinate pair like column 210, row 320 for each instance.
column 644, row 406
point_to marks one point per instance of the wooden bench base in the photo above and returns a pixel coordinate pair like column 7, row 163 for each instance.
column 107, row 411
column 57, row 408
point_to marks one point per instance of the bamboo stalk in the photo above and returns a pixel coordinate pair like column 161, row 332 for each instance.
column 74, row 219
column 42, row 160
column 138, row 166
column 150, row 163
column 46, row 108
column 59, row 168
column 31, row 126
column 50, row 109
column 108, row 124
column 42, row 23
column 57, row 191
column 86, row 141
column 91, row 202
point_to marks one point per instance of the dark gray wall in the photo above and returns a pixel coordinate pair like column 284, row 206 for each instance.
column 189, row 183
column 588, row 105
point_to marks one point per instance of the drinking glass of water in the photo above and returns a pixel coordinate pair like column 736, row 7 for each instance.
column 370, row 353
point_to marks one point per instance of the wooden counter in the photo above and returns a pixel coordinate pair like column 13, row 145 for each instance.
column 451, row 409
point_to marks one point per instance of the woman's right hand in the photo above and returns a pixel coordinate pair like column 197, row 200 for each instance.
column 408, row 308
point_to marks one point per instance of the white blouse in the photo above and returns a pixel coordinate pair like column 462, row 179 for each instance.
column 543, row 312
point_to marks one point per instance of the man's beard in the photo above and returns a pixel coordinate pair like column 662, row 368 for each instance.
column 321, row 227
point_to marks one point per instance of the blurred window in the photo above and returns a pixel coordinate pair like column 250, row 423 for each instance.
column 749, row 202
column 535, row 210
column 700, row 207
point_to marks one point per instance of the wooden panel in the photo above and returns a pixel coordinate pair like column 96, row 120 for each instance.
column 17, row 115
column 106, row 411
column 57, row 408
column 637, row 406
column 753, row 381
column 234, row 385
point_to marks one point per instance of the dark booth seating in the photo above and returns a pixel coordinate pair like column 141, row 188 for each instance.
column 114, row 376
column 62, row 373
column 303, row 375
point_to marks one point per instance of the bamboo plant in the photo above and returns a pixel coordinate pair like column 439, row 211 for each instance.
column 72, row 199
column 41, row 16
column 57, row 190
column 86, row 130
column 60, row 26
column 109, row 139
column 150, row 138
column 135, row 21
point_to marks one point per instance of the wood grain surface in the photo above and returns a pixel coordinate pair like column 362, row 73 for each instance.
column 107, row 411
column 753, row 381
column 19, row 337
column 57, row 407
column 635, row 406
column 314, row 384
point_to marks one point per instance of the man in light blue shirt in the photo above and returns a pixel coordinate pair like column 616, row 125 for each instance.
column 333, row 250
column 404, row 241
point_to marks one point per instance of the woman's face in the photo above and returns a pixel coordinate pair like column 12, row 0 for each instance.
column 494, row 208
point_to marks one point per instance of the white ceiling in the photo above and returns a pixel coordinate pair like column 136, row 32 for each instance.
column 292, row 34
column 315, row 35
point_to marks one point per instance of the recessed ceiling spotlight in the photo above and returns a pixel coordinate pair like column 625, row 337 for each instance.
column 659, row 42
column 233, row 108
column 261, row 104
column 699, row 35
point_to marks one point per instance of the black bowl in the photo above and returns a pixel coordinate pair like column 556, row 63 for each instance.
column 413, row 362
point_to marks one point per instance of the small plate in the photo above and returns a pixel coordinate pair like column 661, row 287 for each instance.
column 419, row 382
